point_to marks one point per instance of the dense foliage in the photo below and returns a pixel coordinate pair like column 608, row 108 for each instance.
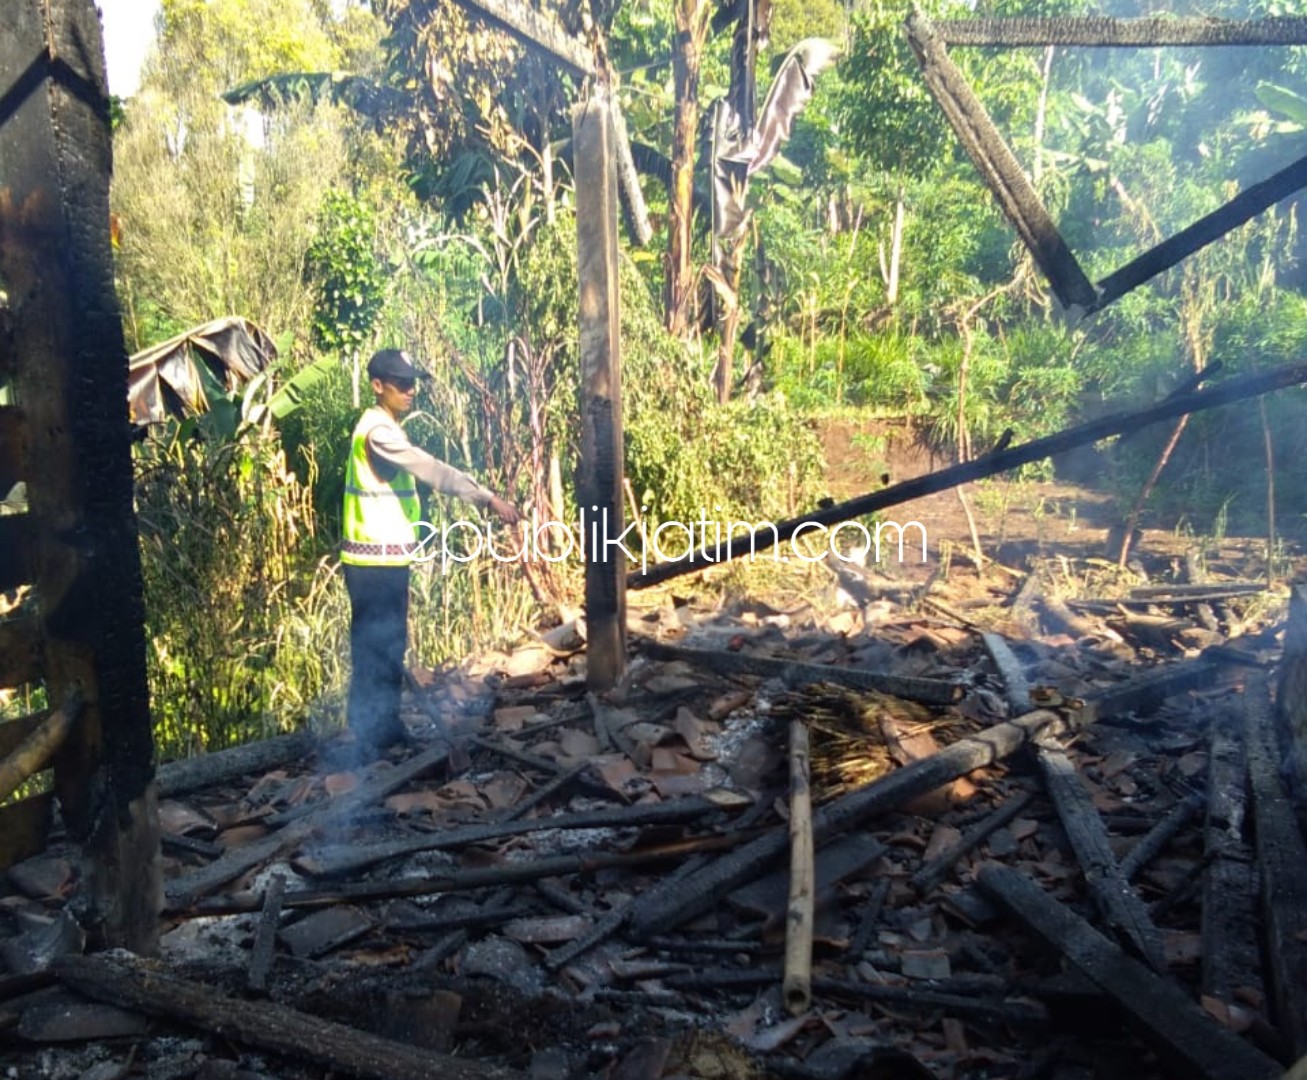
column 874, row 273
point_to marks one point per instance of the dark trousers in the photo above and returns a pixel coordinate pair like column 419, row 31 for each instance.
column 378, row 636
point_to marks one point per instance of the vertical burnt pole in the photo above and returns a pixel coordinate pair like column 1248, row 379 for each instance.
column 599, row 483
column 68, row 370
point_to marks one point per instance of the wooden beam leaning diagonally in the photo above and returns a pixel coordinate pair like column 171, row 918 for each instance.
column 1105, row 32
column 1206, row 230
column 998, row 166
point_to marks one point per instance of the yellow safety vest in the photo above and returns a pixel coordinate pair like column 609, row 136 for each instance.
column 379, row 514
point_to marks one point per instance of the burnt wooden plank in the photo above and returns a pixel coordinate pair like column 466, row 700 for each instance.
column 17, row 538
column 999, row 167
column 1230, row 957
column 24, row 827
column 1120, row 908
column 1185, row 1037
column 1105, row 32
column 20, row 651
column 1282, row 868
column 264, row 1024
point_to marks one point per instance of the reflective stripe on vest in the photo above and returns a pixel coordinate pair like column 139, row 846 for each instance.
column 378, row 514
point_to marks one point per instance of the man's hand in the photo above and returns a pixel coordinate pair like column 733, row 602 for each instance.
column 505, row 511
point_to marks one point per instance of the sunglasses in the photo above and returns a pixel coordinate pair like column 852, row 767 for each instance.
column 404, row 386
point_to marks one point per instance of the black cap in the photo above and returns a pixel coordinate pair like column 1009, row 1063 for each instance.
column 392, row 364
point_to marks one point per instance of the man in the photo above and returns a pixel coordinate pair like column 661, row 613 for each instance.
column 381, row 509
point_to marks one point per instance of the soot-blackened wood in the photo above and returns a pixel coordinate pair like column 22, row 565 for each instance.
column 1016, row 687
column 1154, row 842
column 70, row 380
column 798, row 673
column 1282, row 866
column 998, row 166
column 1243, row 207
column 1120, row 908
column 348, row 858
column 1104, row 32
column 765, row 536
column 664, row 907
column 1291, row 693
column 1186, row 1038
column 599, row 480
column 1230, row 954
column 527, row 870
column 802, row 905
column 17, row 549
column 264, row 1024
column 192, row 774
column 295, row 826
column 263, row 951
column 933, row 872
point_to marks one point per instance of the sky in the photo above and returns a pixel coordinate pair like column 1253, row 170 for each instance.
column 128, row 34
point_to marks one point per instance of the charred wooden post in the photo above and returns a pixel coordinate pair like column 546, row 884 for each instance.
column 998, row 166
column 68, row 372
column 1104, row 32
column 599, row 485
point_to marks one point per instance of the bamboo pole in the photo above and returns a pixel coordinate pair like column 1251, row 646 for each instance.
column 799, row 915
column 36, row 751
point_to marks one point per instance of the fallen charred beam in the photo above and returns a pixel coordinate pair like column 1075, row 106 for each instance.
column 1120, row 908
column 1104, row 32
column 205, row 770
column 933, row 872
column 1229, row 936
column 1147, row 692
column 1243, row 207
column 265, row 938
column 462, row 880
column 998, row 166
column 1186, row 1038
column 1161, row 834
column 767, row 535
column 798, row 673
column 1016, row 688
column 1282, row 864
column 900, row 996
column 345, row 859
column 662, row 908
column 183, row 891
column 138, row 984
